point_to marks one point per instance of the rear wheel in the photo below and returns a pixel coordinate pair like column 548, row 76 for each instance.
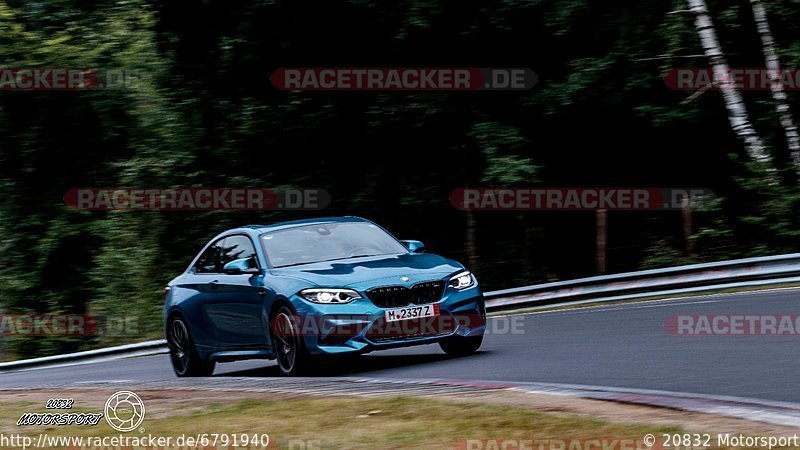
column 182, row 353
column 290, row 351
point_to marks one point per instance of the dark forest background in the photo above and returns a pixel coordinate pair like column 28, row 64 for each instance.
column 203, row 114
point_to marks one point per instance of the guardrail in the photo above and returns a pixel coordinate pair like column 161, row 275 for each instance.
column 649, row 283
column 137, row 349
column 679, row 280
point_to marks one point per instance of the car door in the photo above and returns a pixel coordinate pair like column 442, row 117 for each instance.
column 236, row 303
column 200, row 285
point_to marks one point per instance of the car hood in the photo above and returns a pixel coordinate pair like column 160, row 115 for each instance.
column 363, row 273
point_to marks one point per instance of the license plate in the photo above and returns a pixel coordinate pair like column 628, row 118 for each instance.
column 411, row 312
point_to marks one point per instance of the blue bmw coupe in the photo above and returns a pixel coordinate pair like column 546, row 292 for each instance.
column 306, row 290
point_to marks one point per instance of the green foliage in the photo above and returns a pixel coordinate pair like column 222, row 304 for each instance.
column 663, row 253
column 203, row 114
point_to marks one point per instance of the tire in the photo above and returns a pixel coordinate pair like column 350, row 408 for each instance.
column 461, row 346
column 290, row 351
column 182, row 353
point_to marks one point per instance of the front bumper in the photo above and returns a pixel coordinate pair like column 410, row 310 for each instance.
column 359, row 327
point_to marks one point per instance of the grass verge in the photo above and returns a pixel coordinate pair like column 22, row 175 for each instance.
column 356, row 423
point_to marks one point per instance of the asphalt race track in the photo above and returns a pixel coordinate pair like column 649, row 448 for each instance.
column 618, row 345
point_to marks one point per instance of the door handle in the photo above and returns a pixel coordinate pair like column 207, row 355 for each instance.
column 214, row 284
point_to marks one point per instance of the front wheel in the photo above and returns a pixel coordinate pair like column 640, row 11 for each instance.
column 290, row 352
column 460, row 345
column 184, row 357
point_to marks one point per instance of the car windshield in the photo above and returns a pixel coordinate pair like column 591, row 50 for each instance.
column 328, row 242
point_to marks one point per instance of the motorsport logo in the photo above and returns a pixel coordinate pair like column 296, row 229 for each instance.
column 59, row 418
column 124, row 411
column 403, row 79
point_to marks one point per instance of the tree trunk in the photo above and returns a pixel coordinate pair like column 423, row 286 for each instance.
column 471, row 244
column 737, row 110
column 778, row 94
column 601, row 241
column 686, row 216
column 527, row 255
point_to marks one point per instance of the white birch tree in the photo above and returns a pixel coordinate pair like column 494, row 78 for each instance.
column 734, row 103
column 773, row 66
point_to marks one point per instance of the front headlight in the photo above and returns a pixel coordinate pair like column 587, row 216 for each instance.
column 329, row 295
column 462, row 280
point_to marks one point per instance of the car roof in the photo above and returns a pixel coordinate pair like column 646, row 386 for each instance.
column 296, row 223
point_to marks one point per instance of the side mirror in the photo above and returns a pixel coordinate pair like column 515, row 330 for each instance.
column 239, row 267
column 414, row 246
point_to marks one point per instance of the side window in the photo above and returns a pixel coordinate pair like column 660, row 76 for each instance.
column 238, row 247
column 209, row 260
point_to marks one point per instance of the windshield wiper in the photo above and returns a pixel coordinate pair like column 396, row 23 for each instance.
column 295, row 264
column 348, row 257
column 329, row 260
